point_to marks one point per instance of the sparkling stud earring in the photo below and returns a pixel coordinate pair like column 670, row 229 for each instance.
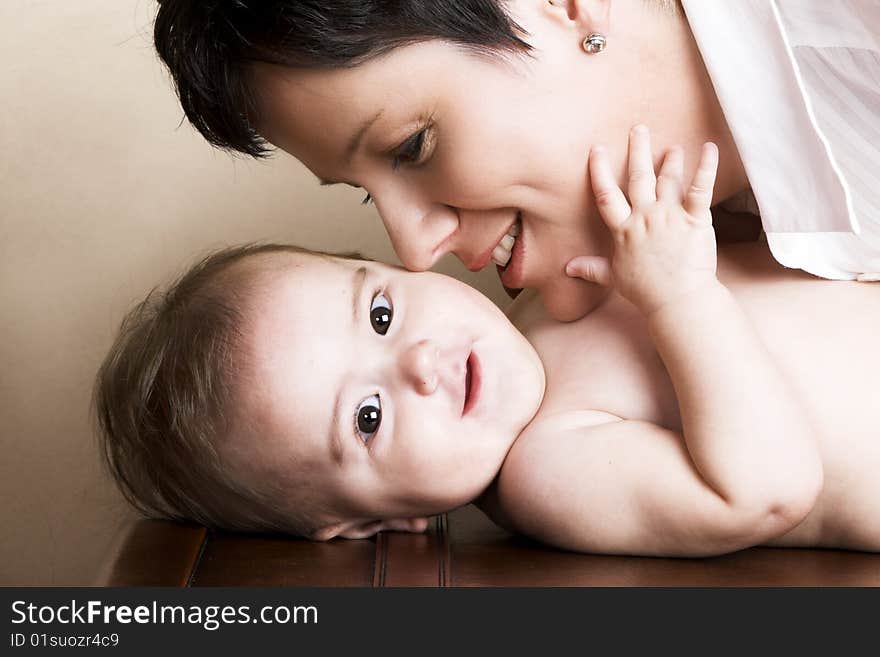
column 594, row 43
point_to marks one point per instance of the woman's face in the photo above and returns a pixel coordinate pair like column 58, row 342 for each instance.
column 459, row 150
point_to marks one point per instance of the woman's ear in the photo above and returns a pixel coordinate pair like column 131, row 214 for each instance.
column 587, row 16
column 367, row 528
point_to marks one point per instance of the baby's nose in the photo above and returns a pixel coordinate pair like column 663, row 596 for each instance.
column 419, row 365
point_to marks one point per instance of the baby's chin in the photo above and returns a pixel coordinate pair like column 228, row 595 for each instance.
column 568, row 299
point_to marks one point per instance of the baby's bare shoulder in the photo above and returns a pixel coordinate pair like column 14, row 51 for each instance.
column 533, row 462
column 539, row 441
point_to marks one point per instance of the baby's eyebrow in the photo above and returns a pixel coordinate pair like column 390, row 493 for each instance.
column 360, row 275
column 336, row 451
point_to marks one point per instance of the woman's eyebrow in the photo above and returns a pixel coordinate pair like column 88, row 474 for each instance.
column 358, row 136
column 353, row 144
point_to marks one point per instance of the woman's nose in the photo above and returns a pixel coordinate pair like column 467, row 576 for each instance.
column 419, row 366
column 421, row 231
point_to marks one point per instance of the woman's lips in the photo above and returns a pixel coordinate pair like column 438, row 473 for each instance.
column 472, row 383
column 512, row 275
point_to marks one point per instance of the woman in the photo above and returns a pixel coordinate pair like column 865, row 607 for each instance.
column 469, row 122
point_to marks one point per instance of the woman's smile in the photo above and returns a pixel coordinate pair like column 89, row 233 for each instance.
column 513, row 273
column 473, row 191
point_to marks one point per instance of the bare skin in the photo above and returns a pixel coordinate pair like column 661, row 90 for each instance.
column 700, row 416
column 819, row 332
column 714, row 401
column 459, row 146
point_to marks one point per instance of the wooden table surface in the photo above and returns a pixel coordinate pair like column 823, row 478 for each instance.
column 462, row 548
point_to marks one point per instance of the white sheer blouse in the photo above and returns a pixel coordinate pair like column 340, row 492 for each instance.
column 799, row 82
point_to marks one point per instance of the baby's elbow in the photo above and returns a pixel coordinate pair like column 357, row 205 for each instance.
column 789, row 503
column 797, row 501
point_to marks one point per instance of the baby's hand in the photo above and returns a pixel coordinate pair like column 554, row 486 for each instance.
column 664, row 246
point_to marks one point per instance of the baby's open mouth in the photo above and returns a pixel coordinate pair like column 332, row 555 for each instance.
column 501, row 254
column 471, row 383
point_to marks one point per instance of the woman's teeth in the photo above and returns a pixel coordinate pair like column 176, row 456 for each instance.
column 501, row 254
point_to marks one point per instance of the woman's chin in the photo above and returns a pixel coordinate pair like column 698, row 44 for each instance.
column 568, row 299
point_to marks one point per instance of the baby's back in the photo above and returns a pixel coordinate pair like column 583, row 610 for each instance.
column 822, row 334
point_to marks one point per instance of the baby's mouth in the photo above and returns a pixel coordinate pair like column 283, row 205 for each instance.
column 472, row 380
column 501, row 254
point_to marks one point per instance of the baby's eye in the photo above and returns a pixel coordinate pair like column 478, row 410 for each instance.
column 369, row 417
column 381, row 314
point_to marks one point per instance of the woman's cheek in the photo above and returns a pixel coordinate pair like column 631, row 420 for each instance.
column 464, row 171
column 482, row 160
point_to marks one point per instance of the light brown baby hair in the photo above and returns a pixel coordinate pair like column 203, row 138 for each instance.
column 162, row 396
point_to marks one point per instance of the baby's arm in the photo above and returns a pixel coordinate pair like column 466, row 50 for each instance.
column 749, row 467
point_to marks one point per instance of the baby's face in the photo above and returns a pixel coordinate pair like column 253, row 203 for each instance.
column 396, row 394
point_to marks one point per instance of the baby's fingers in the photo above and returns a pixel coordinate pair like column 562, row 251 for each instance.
column 642, row 182
column 699, row 196
column 609, row 199
column 669, row 180
column 593, row 269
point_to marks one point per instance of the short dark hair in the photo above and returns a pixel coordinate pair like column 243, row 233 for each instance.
column 209, row 46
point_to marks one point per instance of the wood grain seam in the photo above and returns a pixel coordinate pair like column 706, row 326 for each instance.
column 194, row 565
column 444, row 574
column 380, row 563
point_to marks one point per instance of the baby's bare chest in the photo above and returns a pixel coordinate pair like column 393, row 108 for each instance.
column 823, row 335
column 606, row 362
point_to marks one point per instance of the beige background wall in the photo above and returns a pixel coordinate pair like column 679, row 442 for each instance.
column 103, row 195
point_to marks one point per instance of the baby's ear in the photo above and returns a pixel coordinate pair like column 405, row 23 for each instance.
column 365, row 529
column 415, row 525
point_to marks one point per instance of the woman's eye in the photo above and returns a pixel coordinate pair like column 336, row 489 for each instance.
column 411, row 151
column 381, row 314
column 369, row 417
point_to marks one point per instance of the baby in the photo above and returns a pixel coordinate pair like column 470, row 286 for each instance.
column 691, row 414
